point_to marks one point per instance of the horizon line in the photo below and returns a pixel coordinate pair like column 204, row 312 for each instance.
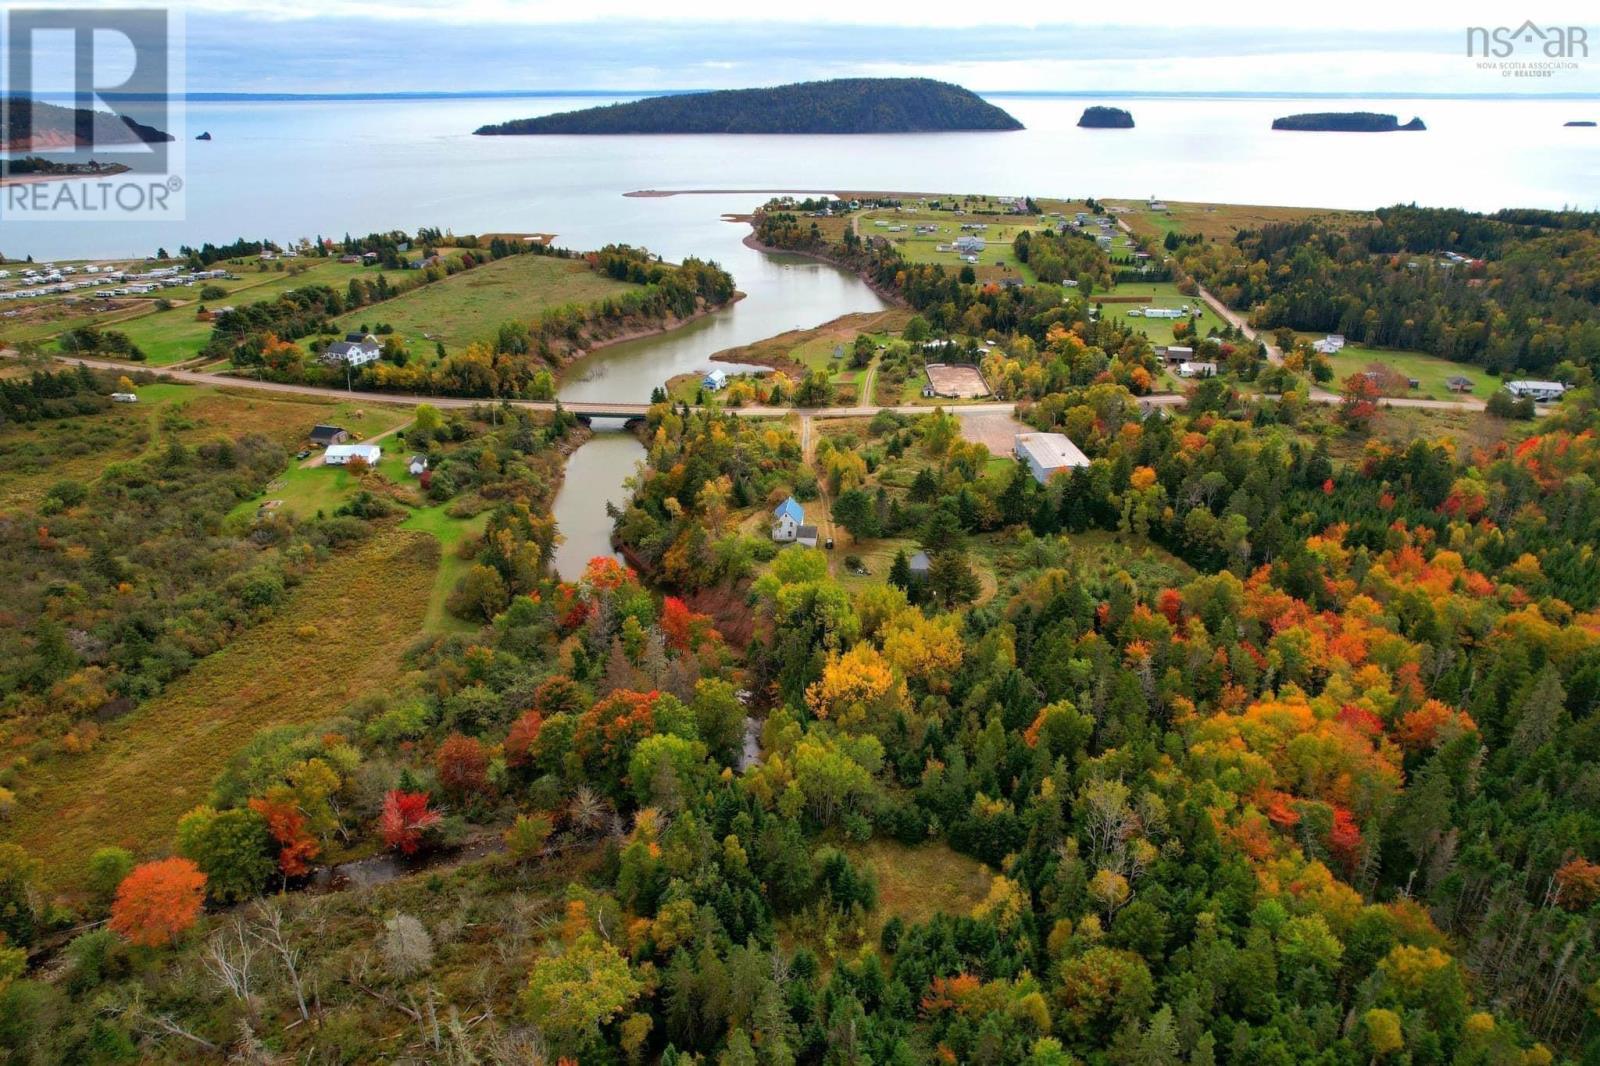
column 286, row 96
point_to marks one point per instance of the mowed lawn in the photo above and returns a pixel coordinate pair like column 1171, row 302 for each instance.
column 343, row 632
column 1161, row 294
column 1430, row 371
column 470, row 306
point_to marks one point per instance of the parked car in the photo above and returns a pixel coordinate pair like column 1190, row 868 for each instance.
column 303, row 453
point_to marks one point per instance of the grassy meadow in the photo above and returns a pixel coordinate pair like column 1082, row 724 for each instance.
column 1430, row 371
column 471, row 305
column 341, row 634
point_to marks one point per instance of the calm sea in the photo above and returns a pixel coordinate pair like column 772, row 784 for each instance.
column 289, row 169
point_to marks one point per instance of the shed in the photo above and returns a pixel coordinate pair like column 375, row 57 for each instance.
column 417, row 464
column 325, row 435
column 920, row 564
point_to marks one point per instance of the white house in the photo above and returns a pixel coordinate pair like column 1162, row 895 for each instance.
column 124, row 397
column 340, row 454
column 1333, row 342
column 1196, row 370
column 787, row 518
column 417, row 465
column 1538, row 391
column 716, row 380
column 969, row 245
column 1164, row 312
column 1047, row 454
column 357, row 349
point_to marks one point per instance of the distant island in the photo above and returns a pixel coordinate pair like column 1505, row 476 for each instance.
column 1581, row 122
column 28, row 125
column 1106, row 118
column 1345, row 122
column 844, row 105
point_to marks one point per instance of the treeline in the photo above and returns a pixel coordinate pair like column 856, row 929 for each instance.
column 44, row 395
column 208, row 253
column 1525, row 301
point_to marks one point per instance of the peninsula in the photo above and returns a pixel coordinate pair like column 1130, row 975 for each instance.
column 28, row 125
column 1345, row 122
column 844, row 105
column 1106, row 118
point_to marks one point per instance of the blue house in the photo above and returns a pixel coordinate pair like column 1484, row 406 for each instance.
column 715, row 380
column 787, row 518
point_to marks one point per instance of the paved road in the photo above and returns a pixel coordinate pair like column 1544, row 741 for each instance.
column 639, row 410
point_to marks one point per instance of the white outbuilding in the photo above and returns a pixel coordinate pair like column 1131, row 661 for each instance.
column 340, row 454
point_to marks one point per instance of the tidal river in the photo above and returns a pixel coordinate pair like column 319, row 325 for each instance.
column 782, row 292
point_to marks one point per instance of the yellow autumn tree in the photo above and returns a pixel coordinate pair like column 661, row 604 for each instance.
column 928, row 649
column 855, row 687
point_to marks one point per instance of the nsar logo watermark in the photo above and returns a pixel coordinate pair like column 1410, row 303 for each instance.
column 92, row 119
column 1529, row 50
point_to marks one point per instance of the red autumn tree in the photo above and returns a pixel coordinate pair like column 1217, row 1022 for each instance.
column 158, row 901
column 523, row 736
column 1358, row 401
column 462, row 765
column 406, row 816
column 290, row 829
column 1579, row 880
column 1171, row 604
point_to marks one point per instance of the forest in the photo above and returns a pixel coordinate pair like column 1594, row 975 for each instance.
column 1520, row 299
column 1323, row 792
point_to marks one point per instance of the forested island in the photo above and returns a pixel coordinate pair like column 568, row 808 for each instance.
column 32, row 125
column 1345, row 122
column 843, row 105
column 1581, row 122
column 1106, row 118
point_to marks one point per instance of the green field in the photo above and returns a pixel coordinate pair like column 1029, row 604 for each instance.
column 174, row 335
column 1429, row 370
column 471, row 305
column 1162, row 294
column 342, row 634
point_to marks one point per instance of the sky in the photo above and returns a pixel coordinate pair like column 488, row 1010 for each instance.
column 1359, row 46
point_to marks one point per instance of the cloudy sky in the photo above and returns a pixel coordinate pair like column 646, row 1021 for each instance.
column 1155, row 46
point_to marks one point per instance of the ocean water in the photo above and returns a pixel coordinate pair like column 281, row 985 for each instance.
column 286, row 169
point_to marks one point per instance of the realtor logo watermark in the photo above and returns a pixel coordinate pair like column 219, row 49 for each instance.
column 1529, row 50
column 93, row 115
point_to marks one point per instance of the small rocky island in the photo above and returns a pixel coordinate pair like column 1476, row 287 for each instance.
column 1106, row 118
column 1345, row 122
column 843, row 105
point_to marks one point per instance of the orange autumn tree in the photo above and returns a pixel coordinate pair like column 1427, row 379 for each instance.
column 158, row 902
